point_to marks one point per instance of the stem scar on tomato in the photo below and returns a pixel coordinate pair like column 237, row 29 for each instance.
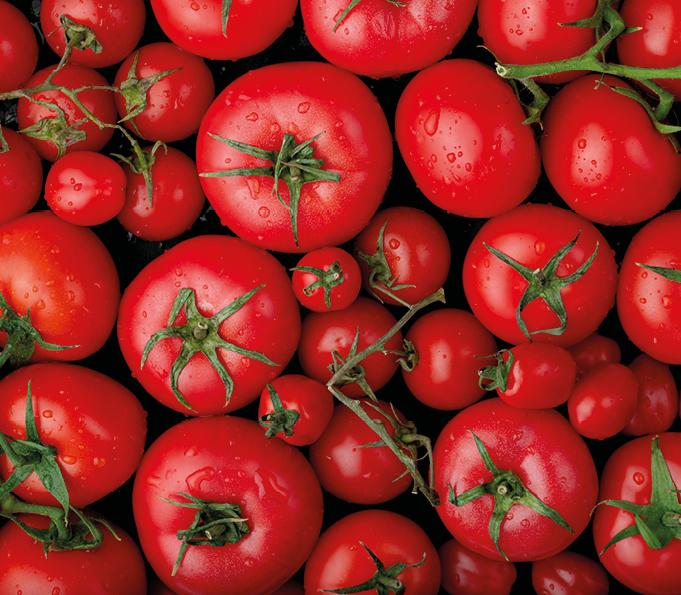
column 327, row 280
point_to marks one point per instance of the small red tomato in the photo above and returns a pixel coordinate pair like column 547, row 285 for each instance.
column 18, row 48
column 603, row 401
column 595, row 349
column 569, row 573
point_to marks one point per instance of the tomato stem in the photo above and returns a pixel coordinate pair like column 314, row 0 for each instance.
column 279, row 420
column 327, row 280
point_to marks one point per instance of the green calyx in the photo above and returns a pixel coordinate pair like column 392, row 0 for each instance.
column 658, row 522
column 56, row 129
column 507, row 489
column 141, row 162
column 226, row 6
column 326, row 280
column 667, row 273
column 543, row 283
column 214, row 524
column 384, row 580
column 281, row 419
column 200, row 335
column 344, row 374
column 293, row 164
column 352, row 5
column 79, row 37
column 496, row 376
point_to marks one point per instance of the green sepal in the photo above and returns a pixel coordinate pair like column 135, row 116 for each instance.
column 667, row 273
column 279, row 420
column 4, row 146
column 355, row 374
column 326, row 280
column 55, row 129
column 79, row 37
column 226, row 6
column 141, row 163
column 352, row 5
column 496, row 373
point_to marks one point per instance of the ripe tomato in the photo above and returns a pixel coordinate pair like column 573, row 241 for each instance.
column 292, row 587
column 547, row 459
column 595, row 349
column 569, row 573
column 466, row 145
column 341, row 558
column 21, row 176
column 226, row 460
column 18, row 48
column 272, row 110
column 385, row 39
column 536, row 236
column 603, row 155
column 240, row 317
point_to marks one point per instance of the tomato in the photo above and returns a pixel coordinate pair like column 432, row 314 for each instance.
column 226, row 460
column 331, row 116
column 326, row 332
column 174, row 105
column 115, row 567
column 21, row 176
column 341, row 558
column 177, row 195
column 546, row 459
column 292, row 587
column 18, row 48
column 96, row 424
column 383, row 39
column 569, row 573
column 239, row 315
column 404, row 255
column 522, row 32
column 85, row 188
column 99, row 102
column 448, row 344
column 65, row 275
column 465, row 572
column 198, row 27
column 649, row 293
column 603, row 155
column 326, row 279
column 658, row 399
column 652, row 43
column 305, row 399
column 118, row 28
column 536, row 236
column 595, row 349
column 466, row 145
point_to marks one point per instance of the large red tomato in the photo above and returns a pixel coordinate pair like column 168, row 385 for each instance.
column 18, row 48
column 21, row 176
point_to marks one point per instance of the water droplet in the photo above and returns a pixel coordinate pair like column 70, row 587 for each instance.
column 666, row 301
column 252, row 117
column 539, row 247
column 269, row 487
column 432, row 122
column 47, row 413
column 56, row 591
column 194, row 6
column 264, row 212
column 581, row 143
column 192, row 451
column 525, row 523
column 303, row 107
column 69, row 459
column 77, row 187
column 394, row 244
column 643, row 300
column 40, row 305
column 639, row 478
column 195, row 480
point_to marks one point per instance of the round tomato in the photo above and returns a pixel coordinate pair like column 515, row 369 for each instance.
column 466, row 145
column 206, row 325
column 275, row 119
column 595, row 349
column 535, row 456
column 21, row 176
column 66, row 277
column 18, row 48
column 534, row 251
column 226, row 465
column 385, row 39
column 569, row 573
column 343, row 556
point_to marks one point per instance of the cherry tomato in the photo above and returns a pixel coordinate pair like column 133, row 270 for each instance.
column 595, row 349
column 569, row 573
column 18, row 48
column 21, row 176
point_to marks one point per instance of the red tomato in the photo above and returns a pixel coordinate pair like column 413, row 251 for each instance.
column 297, row 394
column 383, row 39
column 341, row 558
column 404, row 252
column 177, row 196
column 465, row 572
column 99, row 102
column 65, row 275
column 292, row 587
column 325, row 332
column 18, row 48
column 226, row 460
column 326, row 279
column 21, row 176
column 569, row 573
column 603, row 155
column 466, row 145
column 96, row 424
column 533, row 236
column 176, row 103
column 448, row 344
column 545, row 455
column 85, row 188
column 595, row 349
column 212, row 272
column 198, row 27
column 369, row 475
column 118, row 27
column 272, row 109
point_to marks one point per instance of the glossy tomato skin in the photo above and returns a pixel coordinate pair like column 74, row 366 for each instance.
column 339, row 561
column 21, row 176
column 252, row 26
column 543, row 450
column 448, row 342
column 304, row 99
column 595, row 349
column 96, row 424
column 378, row 39
column 219, row 269
column 647, row 303
column 18, row 48
column 531, row 235
column 466, row 145
column 227, row 459
column 66, row 276
column 627, row 476
column 603, row 155
column 569, row 573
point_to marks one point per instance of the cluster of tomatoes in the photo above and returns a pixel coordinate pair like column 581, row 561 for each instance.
column 305, row 297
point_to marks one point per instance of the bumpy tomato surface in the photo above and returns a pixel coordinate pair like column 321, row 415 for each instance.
column 18, row 48
column 21, row 176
